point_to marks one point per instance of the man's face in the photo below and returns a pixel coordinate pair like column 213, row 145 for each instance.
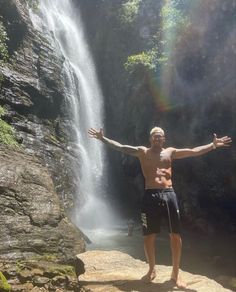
column 157, row 138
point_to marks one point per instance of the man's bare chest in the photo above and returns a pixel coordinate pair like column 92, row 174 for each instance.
column 160, row 160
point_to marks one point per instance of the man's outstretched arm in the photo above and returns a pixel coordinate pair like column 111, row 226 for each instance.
column 200, row 150
column 93, row 133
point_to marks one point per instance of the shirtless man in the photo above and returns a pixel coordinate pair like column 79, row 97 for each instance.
column 160, row 199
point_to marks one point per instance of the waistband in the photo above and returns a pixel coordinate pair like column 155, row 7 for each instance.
column 160, row 191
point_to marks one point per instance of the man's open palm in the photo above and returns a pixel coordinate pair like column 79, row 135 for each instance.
column 221, row 142
column 93, row 133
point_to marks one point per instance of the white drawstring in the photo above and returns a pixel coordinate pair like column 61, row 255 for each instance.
column 169, row 216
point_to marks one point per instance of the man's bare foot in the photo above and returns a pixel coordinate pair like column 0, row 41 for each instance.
column 150, row 276
column 179, row 282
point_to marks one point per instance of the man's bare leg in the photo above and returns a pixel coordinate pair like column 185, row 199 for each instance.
column 176, row 248
column 149, row 249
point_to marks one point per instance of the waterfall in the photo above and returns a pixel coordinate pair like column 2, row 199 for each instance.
column 85, row 99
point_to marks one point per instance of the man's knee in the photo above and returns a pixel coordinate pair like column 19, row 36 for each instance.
column 175, row 236
column 150, row 237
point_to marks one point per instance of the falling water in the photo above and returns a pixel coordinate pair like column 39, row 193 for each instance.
column 85, row 101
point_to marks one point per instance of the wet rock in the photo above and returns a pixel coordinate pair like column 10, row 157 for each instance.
column 72, row 284
column 9, row 271
column 28, row 286
column 40, row 281
column 22, row 287
column 25, row 275
column 59, row 280
column 32, row 92
column 37, row 289
column 42, row 274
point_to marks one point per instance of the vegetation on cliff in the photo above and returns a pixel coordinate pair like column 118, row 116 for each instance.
column 129, row 12
column 7, row 135
column 4, row 286
column 169, row 25
column 143, row 60
column 3, row 48
column 3, row 43
column 33, row 4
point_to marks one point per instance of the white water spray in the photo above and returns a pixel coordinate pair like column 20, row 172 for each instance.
column 85, row 105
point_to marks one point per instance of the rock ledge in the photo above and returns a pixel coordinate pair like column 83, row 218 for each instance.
column 108, row 271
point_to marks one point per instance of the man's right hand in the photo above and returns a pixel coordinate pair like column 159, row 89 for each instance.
column 93, row 133
column 130, row 150
column 161, row 172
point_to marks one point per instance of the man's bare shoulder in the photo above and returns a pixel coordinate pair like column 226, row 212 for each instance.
column 169, row 151
column 142, row 149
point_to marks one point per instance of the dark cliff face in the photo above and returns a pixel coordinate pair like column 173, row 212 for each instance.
column 32, row 93
column 35, row 192
column 194, row 99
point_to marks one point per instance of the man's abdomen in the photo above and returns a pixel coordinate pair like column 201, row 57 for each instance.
column 158, row 183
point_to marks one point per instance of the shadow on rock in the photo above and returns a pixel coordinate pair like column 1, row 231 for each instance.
column 79, row 267
column 136, row 285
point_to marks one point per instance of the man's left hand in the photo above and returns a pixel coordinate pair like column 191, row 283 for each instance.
column 221, row 142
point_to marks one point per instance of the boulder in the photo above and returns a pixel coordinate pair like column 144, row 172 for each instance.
column 32, row 220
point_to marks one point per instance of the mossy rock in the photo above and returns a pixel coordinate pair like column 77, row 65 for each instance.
column 4, row 286
column 48, row 265
column 233, row 283
column 7, row 135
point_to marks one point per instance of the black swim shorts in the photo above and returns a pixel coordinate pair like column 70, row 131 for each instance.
column 156, row 205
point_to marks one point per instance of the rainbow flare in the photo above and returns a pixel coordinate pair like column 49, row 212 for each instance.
column 162, row 101
column 159, row 85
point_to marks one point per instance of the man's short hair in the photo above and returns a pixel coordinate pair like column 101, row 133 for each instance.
column 157, row 129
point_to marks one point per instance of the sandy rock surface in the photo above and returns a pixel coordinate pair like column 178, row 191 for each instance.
column 108, row 271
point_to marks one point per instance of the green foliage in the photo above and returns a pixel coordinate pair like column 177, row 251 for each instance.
column 164, row 39
column 2, row 111
column 33, row 4
column 129, row 12
column 173, row 23
column 46, row 261
column 144, row 60
column 1, row 78
column 3, row 43
column 45, row 257
column 172, row 18
column 4, row 286
column 6, row 132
